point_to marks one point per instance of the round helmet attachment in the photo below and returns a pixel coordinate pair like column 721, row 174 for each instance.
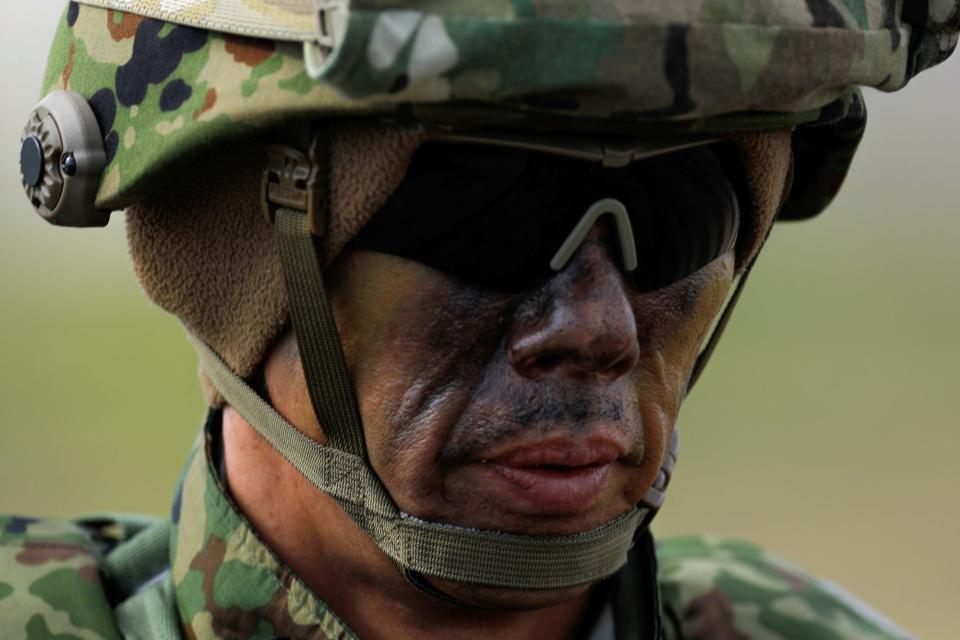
column 62, row 160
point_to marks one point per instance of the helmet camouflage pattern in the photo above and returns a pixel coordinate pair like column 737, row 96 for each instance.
column 167, row 78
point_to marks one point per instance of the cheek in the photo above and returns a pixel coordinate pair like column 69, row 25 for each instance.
column 416, row 344
column 368, row 308
column 672, row 326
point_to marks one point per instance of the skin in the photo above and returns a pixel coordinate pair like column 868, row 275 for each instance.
column 450, row 378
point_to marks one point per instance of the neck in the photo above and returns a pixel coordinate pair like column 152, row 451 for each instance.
column 311, row 534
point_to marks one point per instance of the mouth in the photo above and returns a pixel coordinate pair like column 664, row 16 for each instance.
column 559, row 476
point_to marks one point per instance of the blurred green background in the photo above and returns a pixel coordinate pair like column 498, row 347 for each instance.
column 825, row 428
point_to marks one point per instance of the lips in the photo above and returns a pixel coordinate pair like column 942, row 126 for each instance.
column 560, row 452
column 559, row 476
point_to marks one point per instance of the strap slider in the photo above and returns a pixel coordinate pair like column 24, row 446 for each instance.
column 332, row 17
column 293, row 180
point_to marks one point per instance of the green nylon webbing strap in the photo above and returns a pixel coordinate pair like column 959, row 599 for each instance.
column 324, row 364
column 444, row 551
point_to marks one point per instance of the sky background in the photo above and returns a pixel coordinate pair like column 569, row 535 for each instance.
column 825, row 428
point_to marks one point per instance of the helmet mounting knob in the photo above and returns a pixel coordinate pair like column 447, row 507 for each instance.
column 62, row 160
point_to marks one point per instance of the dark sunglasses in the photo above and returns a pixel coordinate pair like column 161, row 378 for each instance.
column 497, row 216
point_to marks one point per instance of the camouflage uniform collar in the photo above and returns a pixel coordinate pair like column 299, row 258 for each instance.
column 227, row 582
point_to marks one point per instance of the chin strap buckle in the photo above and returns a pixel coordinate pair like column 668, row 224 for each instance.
column 298, row 181
column 655, row 495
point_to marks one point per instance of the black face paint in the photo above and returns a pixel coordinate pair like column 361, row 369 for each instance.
column 496, row 216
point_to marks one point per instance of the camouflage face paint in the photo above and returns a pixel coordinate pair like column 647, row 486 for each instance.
column 437, row 388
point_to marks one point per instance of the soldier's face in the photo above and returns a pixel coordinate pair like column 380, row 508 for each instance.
column 539, row 401
column 546, row 411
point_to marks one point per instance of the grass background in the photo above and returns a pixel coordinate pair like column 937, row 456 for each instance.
column 825, row 428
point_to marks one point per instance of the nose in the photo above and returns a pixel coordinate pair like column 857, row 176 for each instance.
column 580, row 323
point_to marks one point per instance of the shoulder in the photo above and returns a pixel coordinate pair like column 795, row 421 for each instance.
column 61, row 578
column 723, row 588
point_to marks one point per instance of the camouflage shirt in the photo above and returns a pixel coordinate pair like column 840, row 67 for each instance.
column 205, row 574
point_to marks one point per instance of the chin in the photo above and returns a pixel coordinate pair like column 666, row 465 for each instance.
column 501, row 599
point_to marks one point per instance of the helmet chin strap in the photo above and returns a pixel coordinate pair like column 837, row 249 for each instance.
column 418, row 547
column 296, row 196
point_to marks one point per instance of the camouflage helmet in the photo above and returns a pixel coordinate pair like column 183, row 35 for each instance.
column 153, row 84
column 199, row 73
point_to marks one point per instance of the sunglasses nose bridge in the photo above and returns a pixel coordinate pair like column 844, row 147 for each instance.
column 607, row 207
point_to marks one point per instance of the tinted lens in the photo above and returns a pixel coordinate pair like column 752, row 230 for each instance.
column 496, row 216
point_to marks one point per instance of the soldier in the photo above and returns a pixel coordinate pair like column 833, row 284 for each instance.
column 450, row 272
